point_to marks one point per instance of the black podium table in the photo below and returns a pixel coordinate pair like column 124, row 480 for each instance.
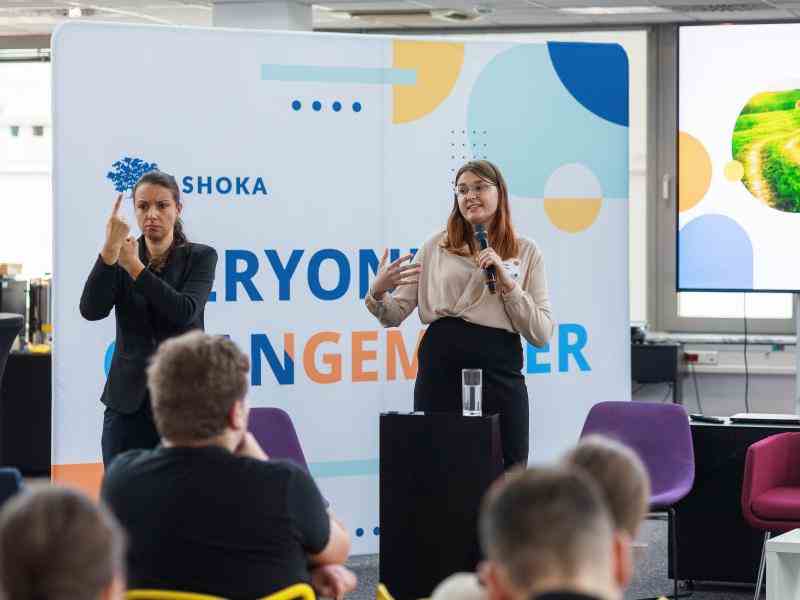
column 714, row 541
column 434, row 470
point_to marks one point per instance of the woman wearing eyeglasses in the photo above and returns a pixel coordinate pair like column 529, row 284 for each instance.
column 470, row 327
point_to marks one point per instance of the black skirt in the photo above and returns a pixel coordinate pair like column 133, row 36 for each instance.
column 452, row 344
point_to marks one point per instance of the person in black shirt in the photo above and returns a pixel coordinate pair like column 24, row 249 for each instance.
column 206, row 511
column 548, row 534
column 158, row 286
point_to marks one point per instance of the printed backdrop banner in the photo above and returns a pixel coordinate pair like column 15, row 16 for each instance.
column 301, row 157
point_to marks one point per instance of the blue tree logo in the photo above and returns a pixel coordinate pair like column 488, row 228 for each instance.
column 126, row 172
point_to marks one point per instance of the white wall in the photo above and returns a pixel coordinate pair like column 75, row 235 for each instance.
column 26, row 229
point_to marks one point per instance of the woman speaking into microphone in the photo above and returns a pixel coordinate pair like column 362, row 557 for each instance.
column 470, row 325
column 158, row 286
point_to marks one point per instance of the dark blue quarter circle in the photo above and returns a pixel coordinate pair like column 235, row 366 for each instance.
column 596, row 75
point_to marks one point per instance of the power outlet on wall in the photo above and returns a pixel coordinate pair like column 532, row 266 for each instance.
column 707, row 357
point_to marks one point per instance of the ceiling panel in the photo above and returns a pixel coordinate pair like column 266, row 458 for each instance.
column 16, row 16
column 752, row 15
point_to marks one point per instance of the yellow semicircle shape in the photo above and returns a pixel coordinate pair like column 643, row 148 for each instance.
column 572, row 214
column 438, row 65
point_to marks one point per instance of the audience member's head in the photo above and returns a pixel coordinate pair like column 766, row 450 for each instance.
column 549, row 529
column 621, row 475
column 198, row 383
column 56, row 544
column 459, row 586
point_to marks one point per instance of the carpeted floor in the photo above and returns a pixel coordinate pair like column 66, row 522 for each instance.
column 650, row 577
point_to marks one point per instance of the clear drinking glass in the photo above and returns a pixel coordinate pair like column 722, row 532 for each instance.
column 471, row 389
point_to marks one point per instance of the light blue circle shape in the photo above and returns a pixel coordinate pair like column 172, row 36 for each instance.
column 714, row 253
column 109, row 355
column 535, row 125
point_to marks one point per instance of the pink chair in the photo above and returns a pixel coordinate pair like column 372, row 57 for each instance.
column 771, row 489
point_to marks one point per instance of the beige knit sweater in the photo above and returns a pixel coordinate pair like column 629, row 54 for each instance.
column 454, row 286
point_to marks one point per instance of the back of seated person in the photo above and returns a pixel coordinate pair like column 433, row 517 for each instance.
column 622, row 477
column 548, row 534
column 207, row 511
column 56, row 544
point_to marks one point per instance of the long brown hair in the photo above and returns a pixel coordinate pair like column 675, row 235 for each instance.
column 460, row 238
column 167, row 181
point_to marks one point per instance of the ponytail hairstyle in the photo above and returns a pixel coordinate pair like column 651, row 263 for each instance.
column 167, row 181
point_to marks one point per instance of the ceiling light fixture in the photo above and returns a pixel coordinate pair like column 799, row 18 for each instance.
column 615, row 10
column 74, row 12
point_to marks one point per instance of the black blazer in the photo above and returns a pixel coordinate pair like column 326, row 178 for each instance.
column 148, row 311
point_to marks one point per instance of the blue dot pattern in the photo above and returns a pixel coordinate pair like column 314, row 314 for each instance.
column 359, row 532
column 316, row 105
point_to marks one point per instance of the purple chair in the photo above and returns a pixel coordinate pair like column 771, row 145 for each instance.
column 273, row 429
column 661, row 436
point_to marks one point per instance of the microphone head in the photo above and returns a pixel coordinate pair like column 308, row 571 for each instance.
column 480, row 230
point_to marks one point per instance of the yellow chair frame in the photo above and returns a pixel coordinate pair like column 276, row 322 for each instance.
column 293, row 592
column 167, row 595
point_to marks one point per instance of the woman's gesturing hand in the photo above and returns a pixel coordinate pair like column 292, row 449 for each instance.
column 394, row 274
column 117, row 231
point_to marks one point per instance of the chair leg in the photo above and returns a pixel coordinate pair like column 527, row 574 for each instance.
column 762, row 566
column 672, row 526
column 673, row 538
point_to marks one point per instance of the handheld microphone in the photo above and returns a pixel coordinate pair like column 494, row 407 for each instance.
column 491, row 275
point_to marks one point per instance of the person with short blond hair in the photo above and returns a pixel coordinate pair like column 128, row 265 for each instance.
column 622, row 477
column 207, row 511
column 549, row 535
column 56, row 544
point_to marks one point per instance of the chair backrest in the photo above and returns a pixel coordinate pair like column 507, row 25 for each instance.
column 167, row 595
column 10, row 326
column 303, row 591
column 659, row 433
column 772, row 462
column 274, row 431
column 10, row 483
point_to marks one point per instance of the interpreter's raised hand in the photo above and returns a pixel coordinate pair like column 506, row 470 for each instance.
column 394, row 274
column 116, row 232
column 333, row 581
column 489, row 258
column 249, row 446
column 129, row 255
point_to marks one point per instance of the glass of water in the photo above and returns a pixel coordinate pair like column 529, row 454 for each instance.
column 471, row 389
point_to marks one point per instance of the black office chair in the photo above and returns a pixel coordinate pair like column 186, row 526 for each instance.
column 10, row 326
